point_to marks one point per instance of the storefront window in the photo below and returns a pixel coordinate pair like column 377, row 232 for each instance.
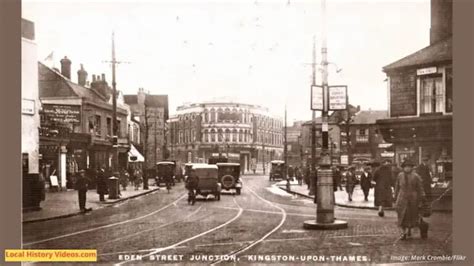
column 432, row 94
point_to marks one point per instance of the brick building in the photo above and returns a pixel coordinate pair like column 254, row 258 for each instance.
column 151, row 111
column 76, row 122
column 421, row 98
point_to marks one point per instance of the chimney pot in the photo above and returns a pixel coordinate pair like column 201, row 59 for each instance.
column 93, row 78
column 81, row 76
column 103, row 77
column 66, row 67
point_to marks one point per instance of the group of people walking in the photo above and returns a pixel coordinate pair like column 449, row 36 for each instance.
column 406, row 189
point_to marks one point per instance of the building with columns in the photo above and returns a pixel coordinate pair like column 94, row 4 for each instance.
column 244, row 133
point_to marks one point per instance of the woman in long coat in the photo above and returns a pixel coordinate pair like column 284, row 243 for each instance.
column 383, row 187
column 410, row 194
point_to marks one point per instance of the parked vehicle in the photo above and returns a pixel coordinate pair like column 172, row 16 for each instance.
column 229, row 176
column 208, row 180
column 165, row 172
column 217, row 159
column 277, row 169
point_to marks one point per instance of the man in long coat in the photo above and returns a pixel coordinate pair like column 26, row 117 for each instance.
column 409, row 192
column 383, row 187
column 82, row 183
column 424, row 172
column 101, row 184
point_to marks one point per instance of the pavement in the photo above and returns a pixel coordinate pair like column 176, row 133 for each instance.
column 358, row 201
column 65, row 203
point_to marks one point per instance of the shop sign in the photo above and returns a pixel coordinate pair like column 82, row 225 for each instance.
column 27, row 107
column 385, row 145
column 426, row 71
column 387, row 154
column 337, row 98
column 62, row 113
column 317, row 101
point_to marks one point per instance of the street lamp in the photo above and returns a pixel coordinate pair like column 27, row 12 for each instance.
column 325, row 193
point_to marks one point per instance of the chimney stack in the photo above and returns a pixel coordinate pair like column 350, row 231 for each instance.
column 82, row 76
column 66, row 67
column 441, row 20
column 103, row 77
column 93, row 78
column 100, row 85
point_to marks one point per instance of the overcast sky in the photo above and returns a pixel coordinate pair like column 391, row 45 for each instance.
column 247, row 51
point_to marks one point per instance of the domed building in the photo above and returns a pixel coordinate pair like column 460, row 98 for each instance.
column 244, row 133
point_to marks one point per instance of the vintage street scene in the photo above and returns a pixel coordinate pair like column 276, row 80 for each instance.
column 292, row 132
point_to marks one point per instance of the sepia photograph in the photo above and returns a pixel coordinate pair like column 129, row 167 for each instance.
column 237, row 132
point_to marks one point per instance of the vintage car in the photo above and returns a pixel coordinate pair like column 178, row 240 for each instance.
column 277, row 170
column 229, row 176
column 208, row 180
column 165, row 171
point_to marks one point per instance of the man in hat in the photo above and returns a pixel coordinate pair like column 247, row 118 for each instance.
column 424, row 172
column 350, row 182
column 383, row 187
column 82, row 183
column 365, row 182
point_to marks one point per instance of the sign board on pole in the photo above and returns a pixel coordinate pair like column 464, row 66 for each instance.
column 317, row 99
column 426, row 71
column 344, row 159
column 337, row 98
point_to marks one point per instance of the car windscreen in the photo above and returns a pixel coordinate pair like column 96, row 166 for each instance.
column 206, row 173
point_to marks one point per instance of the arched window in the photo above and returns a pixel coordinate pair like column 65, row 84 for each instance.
column 219, row 135
column 213, row 116
column 235, row 135
column 227, row 135
column 213, row 135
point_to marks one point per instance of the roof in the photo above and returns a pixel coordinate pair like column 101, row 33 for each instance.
column 369, row 117
column 150, row 101
column 204, row 166
column 435, row 53
column 229, row 164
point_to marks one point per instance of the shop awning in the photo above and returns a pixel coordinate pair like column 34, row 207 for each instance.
column 135, row 154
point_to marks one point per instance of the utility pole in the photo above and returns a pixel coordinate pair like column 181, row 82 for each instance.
column 114, row 62
column 312, row 180
column 285, row 151
column 325, row 194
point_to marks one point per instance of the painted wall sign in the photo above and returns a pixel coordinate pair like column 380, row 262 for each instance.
column 317, row 100
column 337, row 98
column 403, row 98
column 62, row 113
column 28, row 107
column 426, row 71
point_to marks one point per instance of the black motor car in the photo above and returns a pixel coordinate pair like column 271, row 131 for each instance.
column 229, row 176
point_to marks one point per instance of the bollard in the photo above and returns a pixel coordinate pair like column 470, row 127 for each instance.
column 113, row 187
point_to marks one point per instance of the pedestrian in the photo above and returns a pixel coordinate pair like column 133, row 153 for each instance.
column 410, row 194
column 290, row 173
column 82, row 183
column 337, row 178
column 383, row 187
column 101, row 184
column 307, row 176
column 366, row 182
column 424, row 172
column 299, row 176
column 350, row 182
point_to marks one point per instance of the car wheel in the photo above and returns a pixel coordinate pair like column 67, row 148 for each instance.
column 237, row 190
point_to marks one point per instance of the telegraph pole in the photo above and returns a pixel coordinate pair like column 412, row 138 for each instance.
column 285, row 151
column 325, row 193
column 312, row 180
column 114, row 62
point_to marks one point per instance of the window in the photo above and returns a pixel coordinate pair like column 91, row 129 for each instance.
column 362, row 135
column 213, row 135
column 449, row 89
column 118, row 128
column 97, row 125
column 431, row 94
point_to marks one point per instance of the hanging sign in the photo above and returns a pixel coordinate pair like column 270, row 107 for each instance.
column 337, row 98
column 317, row 98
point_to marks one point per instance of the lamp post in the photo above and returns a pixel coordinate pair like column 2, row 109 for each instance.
column 325, row 193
